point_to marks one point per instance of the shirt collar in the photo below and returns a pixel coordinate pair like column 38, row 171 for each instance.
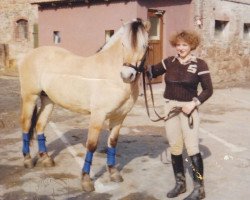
column 193, row 58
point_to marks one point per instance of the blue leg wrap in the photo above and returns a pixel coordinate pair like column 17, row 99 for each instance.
column 41, row 143
column 26, row 143
column 88, row 162
column 111, row 152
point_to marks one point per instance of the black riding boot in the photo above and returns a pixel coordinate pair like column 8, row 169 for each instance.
column 180, row 186
column 197, row 167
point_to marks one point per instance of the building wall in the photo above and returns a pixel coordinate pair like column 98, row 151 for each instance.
column 228, row 56
column 82, row 28
column 177, row 17
column 93, row 20
column 10, row 11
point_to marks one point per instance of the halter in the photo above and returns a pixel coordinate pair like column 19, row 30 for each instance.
column 140, row 68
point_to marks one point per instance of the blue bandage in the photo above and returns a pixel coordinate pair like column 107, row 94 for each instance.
column 111, row 152
column 26, row 143
column 88, row 162
column 41, row 143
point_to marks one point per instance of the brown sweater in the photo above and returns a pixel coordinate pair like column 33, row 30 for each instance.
column 182, row 79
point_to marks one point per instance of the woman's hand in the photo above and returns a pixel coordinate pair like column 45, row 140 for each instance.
column 188, row 107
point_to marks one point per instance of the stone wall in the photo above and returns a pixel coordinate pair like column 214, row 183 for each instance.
column 4, row 55
column 228, row 56
column 10, row 12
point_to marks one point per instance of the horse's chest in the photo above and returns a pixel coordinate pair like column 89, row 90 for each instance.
column 127, row 105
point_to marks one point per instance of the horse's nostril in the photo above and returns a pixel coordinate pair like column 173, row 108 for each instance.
column 131, row 76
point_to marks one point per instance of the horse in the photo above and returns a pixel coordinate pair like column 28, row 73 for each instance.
column 104, row 85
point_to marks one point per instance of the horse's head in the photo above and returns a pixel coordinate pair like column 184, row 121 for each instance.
column 135, row 44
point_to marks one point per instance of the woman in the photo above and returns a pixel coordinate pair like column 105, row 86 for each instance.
column 183, row 73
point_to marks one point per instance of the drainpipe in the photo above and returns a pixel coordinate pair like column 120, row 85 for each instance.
column 198, row 17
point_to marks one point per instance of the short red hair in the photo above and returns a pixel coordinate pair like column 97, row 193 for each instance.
column 190, row 37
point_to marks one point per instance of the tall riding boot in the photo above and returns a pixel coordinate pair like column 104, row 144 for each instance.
column 197, row 167
column 180, row 186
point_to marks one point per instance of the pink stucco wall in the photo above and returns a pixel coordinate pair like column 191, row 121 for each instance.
column 82, row 29
column 178, row 16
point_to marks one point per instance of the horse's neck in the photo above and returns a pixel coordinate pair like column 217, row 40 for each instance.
column 113, row 56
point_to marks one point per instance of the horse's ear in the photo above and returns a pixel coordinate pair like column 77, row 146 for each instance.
column 147, row 25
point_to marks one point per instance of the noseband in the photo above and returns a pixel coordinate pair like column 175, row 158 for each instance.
column 138, row 69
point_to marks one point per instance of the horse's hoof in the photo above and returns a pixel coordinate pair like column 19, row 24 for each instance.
column 28, row 162
column 45, row 160
column 115, row 175
column 87, row 184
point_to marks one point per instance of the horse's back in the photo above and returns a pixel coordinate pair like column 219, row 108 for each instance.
column 34, row 63
column 43, row 54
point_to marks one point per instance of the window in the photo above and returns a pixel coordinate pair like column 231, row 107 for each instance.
column 221, row 28
column 154, row 32
column 56, row 37
column 246, row 33
column 21, row 29
column 108, row 34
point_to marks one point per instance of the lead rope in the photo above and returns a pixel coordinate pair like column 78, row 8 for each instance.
column 173, row 112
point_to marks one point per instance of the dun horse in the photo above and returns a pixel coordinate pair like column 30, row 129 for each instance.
column 104, row 85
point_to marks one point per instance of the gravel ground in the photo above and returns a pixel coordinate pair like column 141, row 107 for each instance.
column 224, row 144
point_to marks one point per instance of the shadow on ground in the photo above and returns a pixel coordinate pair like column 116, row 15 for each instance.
column 146, row 141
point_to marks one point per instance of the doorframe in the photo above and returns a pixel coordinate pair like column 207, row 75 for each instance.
column 159, row 14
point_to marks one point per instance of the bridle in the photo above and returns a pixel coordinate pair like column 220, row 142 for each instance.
column 139, row 69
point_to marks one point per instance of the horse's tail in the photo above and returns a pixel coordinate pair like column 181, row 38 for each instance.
column 34, row 118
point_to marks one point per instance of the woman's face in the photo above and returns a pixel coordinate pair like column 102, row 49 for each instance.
column 183, row 49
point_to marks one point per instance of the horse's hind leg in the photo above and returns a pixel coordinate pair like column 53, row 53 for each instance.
column 28, row 108
column 96, row 123
column 115, row 126
column 43, row 115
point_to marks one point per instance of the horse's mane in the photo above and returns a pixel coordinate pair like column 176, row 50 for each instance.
column 132, row 35
column 136, row 27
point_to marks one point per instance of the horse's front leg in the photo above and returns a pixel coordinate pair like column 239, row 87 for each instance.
column 115, row 126
column 96, row 123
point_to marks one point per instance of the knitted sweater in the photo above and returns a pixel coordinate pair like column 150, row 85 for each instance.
column 182, row 79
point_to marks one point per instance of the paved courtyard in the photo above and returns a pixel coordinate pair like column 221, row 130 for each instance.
column 224, row 143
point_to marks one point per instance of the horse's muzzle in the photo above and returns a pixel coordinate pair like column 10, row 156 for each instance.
column 128, row 74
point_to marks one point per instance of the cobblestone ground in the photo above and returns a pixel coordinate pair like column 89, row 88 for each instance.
column 224, row 144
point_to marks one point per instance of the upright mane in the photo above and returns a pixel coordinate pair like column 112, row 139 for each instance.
column 136, row 26
column 132, row 34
